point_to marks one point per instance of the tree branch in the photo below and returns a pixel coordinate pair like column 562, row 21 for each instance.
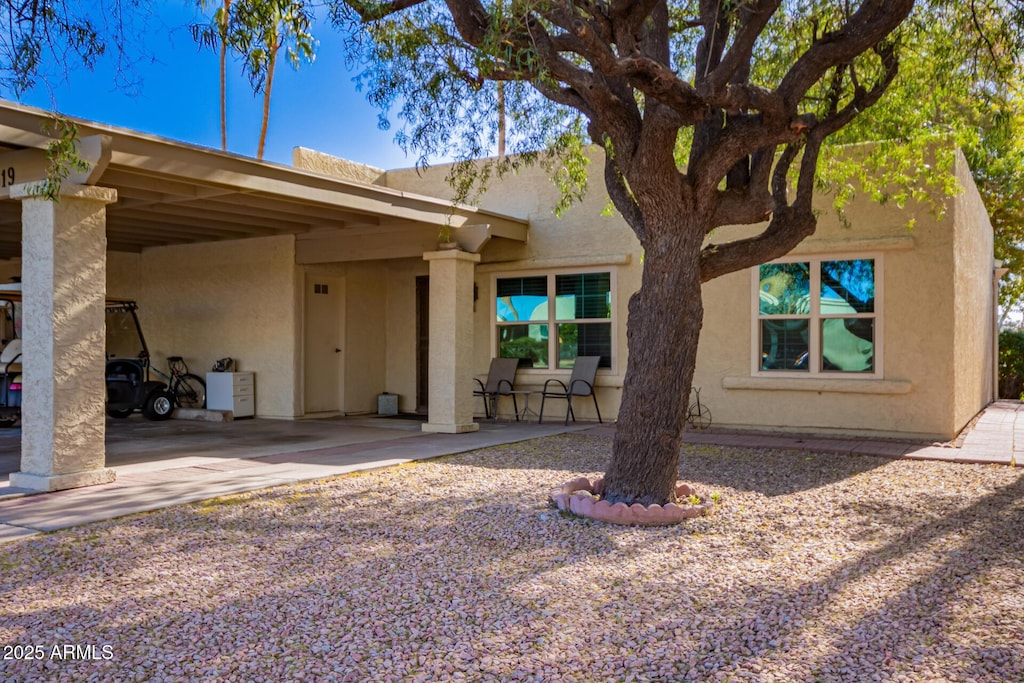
column 862, row 99
column 622, row 197
column 373, row 11
column 751, row 203
column 789, row 225
column 873, row 21
column 787, row 229
column 753, row 19
column 741, row 136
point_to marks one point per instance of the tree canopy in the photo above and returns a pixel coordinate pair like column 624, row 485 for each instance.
column 44, row 40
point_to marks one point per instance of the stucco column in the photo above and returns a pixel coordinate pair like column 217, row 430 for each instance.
column 450, row 375
column 64, row 281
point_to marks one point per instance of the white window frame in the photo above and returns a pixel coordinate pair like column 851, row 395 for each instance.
column 551, row 322
column 815, row 318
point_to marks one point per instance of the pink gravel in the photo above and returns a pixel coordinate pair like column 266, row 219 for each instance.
column 813, row 568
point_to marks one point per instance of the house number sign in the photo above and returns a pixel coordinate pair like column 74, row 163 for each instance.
column 29, row 165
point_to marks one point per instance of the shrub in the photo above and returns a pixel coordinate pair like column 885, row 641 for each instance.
column 1011, row 363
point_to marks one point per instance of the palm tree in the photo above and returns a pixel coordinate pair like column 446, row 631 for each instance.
column 217, row 35
column 257, row 30
column 261, row 29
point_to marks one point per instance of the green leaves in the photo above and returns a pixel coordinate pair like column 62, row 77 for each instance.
column 62, row 155
column 959, row 84
column 256, row 31
column 47, row 39
column 430, row 67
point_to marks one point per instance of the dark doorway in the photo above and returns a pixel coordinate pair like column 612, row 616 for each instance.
column 422, row 341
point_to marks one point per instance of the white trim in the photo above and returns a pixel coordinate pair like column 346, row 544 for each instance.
column 550, row 274
column 817, row 247
column 577, row 263
column 815, row 317
column 838, row 385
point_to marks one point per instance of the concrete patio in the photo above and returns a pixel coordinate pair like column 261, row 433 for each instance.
column 160, row 464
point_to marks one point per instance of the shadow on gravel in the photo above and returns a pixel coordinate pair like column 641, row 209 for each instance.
column 289, row 580
column 915, row 633
column 762, row 470
column 770, row 472
column 418, row 573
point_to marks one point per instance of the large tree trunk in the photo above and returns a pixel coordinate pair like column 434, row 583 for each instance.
column 665, row 318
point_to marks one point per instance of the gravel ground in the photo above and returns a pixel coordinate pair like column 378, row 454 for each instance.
column 815, row 568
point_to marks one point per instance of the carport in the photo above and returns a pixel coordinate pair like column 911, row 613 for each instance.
column 141, row 192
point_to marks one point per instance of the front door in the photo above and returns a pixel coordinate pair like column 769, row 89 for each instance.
column 323, row 351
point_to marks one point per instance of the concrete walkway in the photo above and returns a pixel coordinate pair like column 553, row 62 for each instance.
column 996, row 437
column 187, row 462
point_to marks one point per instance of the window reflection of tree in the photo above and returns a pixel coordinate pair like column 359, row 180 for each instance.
column 846, row 288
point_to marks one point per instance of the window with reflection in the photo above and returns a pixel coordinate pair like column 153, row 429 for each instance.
column 817, row 316
column 547, row 321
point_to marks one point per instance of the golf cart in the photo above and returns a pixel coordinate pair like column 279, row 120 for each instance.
column 129, row 387
column 10, row 356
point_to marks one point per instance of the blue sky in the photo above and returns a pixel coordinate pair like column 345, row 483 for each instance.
column 316, row 106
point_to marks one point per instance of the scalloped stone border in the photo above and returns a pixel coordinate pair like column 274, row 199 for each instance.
column 577, row 497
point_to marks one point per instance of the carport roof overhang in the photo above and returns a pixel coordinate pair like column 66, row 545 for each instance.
column 174, row 193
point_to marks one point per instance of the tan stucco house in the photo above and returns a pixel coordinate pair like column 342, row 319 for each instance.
column 325, row 280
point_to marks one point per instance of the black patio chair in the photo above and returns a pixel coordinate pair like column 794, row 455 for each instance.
column 501, row 377
column 581, row 383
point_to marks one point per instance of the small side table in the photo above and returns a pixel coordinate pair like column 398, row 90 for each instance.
column 524, row 410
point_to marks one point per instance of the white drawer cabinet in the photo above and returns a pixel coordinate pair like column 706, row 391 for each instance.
column 232, row 391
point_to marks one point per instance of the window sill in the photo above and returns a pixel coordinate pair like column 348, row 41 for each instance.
column 820, row 385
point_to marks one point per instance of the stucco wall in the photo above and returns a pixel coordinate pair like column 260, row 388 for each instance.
column 973, row 301
column 930, row 338
column 327, row 164
column 124, row 274
column 914, row 395
column 580, row 238
column 400, row 377
column 935, row 330
column 238, row 298
column 380, row 326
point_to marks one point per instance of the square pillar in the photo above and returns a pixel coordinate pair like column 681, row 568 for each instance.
column 64, row 282
column 450, row 375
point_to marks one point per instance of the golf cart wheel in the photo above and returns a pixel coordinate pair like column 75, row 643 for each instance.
column 159, row 405
column 113, row 412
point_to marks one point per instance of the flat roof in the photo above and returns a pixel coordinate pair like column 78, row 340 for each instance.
column 170, row 192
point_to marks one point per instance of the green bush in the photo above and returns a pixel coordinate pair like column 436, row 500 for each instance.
column 1011, row 363
column 533, row 352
